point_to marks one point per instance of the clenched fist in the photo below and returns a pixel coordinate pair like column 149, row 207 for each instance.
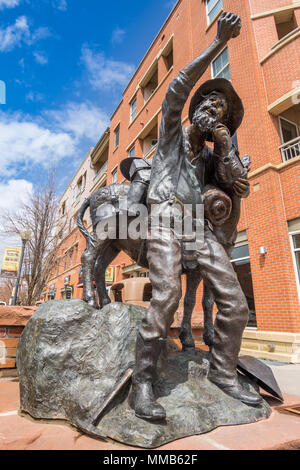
column 229, row 26
column 222, row 139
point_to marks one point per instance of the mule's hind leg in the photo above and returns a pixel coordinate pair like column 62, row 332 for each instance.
column 193, row 279
column 88, row 260
column 105, row 257
column 208, row 305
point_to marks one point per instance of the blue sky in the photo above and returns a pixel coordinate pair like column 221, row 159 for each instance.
column 65, row 64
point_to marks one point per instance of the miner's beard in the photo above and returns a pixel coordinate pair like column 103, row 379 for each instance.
column 204, row 121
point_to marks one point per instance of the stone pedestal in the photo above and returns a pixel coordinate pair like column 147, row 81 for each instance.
column 70, row 357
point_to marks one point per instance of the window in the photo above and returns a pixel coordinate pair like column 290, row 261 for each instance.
column 63, row 208
column 117, row 136
column 150, row 140
column 114, row 175
column 131, row 152
column 150, row 84
column 285, row 23
column 84, row 181
column 220, row 66
column 289, row 134
column 240, row 259
column 295, row 242
column 169, row 59
column 133, row 110
column 79, row 186
column 213, row 7
column 288, row 129
column 71, row 253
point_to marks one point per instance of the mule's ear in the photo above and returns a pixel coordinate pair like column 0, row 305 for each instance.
column 246, row 161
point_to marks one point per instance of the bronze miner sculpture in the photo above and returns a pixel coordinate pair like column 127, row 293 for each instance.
column 184, row 171
column 177, row 216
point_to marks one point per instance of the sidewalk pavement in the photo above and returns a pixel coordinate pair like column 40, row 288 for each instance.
column 280, row 431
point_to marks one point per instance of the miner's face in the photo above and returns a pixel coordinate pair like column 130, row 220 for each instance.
column 210, row 112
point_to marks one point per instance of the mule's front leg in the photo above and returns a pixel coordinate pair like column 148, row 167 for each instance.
column 193, row 279
column 88, row 262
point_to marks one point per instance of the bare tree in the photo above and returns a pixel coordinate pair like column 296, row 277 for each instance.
column 40, row 215
column 6, row 287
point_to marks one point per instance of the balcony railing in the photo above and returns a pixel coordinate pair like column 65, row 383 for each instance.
column 290, row 149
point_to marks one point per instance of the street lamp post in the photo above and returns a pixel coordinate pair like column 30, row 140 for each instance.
column 25, row 237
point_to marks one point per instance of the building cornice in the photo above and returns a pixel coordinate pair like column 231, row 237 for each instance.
column 274, row 167
column 275, row 11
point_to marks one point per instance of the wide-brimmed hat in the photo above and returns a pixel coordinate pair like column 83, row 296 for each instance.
column 235, row 105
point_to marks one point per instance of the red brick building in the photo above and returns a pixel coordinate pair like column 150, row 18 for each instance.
column 264, row 66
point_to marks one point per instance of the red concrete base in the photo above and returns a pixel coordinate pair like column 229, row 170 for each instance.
column 17, row 432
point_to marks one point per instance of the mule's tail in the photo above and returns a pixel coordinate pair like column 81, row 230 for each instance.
column 80, row 216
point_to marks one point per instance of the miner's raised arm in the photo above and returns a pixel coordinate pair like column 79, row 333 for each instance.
column 229, row 26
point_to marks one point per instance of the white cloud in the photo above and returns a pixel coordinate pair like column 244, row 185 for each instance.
column 105, row 73
column 54, row 136
column 15, row 35
column 82, row 120
column 9, row 3
column 60, row 4
column 41, row 58
column 117, row 35
column 14, row 193
column 34, row 96
column 24, row 142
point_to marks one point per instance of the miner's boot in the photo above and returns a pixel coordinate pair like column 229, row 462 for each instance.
column 235, row 390
column 142, row 397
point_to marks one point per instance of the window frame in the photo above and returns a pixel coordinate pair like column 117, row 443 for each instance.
column 133, row 114
column 130, row 150
column 117, row 133
column 280, row 118
column 239, row 245
column 297, row 275
column 209, row 21
column 114, row 173
column 224, row 68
